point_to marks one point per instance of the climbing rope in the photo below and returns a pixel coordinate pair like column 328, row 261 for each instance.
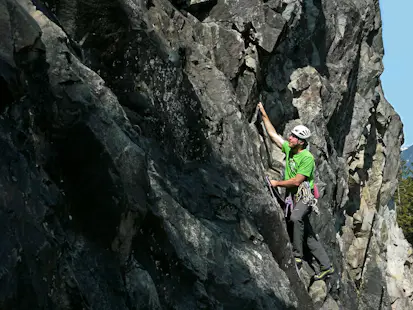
column 305, row 195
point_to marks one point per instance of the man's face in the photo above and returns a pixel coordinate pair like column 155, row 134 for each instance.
column 294, row 141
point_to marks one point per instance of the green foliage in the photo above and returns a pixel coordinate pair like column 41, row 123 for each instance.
column 404, row 200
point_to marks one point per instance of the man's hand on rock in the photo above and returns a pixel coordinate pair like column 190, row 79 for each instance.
column 274, row 183
column 262, row 110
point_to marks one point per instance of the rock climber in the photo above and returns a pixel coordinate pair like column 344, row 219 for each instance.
column 299, row 184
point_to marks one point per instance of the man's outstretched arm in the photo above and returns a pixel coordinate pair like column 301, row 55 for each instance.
column 275, row 137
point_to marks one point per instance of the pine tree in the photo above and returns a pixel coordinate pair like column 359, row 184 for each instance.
column 404, row 200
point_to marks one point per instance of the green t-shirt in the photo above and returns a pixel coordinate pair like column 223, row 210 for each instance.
column 300, row 163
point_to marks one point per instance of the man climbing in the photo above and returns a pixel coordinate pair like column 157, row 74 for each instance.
column 299, row 184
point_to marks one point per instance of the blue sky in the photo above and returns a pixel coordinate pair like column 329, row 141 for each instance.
column 397, row 78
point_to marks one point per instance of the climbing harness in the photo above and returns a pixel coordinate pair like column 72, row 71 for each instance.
column 304, row 194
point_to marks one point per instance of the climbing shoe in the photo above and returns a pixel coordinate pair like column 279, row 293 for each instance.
column 324, row 273
column 298, row 262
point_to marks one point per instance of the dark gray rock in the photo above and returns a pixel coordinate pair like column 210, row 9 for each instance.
column 133, row 160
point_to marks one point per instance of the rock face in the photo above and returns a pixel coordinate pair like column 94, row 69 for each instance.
column 132, row 159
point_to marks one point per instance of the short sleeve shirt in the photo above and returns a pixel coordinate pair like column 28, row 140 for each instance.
column 300, row 163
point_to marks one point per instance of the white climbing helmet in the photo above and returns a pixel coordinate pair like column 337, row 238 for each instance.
column 301, row 132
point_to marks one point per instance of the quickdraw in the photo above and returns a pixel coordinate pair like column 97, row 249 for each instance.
column 289, row 205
